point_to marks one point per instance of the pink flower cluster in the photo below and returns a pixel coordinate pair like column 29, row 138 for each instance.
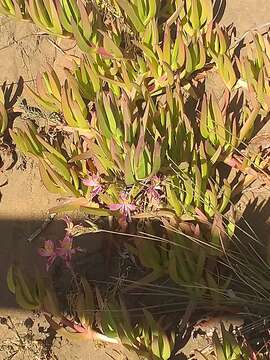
column 125, row 208
column 93, row 181
column 65, row 250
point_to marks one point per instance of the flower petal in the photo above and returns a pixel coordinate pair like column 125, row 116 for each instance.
column 50, row 262
column 67, row 242
column 67, row 220
column 115, row 207
column 89, row 182
column 131, row 207
column 49, row 245
column 61, row 252
column 43, row 252
column 96, row 190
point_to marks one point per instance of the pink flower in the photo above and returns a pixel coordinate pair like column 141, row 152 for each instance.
column 71, row 229
column 93, row 181
column 124, row 207
column 65, row 251
column 49, row 252
column 196, row 230
column 69, row 224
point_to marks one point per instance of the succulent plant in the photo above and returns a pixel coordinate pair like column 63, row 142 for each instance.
column 196, row 15
column 253, row 69
column 3, row 114
column 14, row 8
column 32, row 294
column 222, row 129
column 48, row 93
column 146, row 337
column 230, row 348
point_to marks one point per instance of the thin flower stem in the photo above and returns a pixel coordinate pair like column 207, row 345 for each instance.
column 74, row 277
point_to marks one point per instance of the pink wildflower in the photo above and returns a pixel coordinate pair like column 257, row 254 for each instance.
column 65, row 251
column 69, row 224
column 93, row 181
column 124, row 207
column 195, row 230
column 49, row 252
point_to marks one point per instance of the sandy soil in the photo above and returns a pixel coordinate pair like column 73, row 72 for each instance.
column 24, row 203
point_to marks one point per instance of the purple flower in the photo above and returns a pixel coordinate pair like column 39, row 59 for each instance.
column 49, row 252
column 93, row 181
column 69, row 224
column 65, row 251
column 124, row 207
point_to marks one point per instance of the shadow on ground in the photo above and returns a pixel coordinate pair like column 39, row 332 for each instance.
column 15, row 248
column 254, row 223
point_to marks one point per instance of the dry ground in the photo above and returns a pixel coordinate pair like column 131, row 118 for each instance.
column 23, row 51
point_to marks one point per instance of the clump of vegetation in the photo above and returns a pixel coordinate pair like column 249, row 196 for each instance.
column 3, row 114
column 6, row 146
column 140, row 138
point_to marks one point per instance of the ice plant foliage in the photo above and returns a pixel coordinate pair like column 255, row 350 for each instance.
column 137, row 139
column 129, row 111
column 154, row 191
column 3, row 114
